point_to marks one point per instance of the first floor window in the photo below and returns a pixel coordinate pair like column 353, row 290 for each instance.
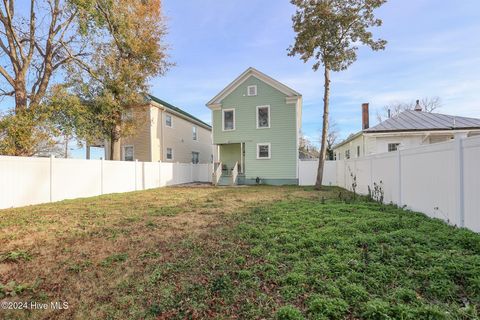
column 169, row 154
column 263, row 117
column 228, row 119
column 168, row 120
column 128, row 153
column 195, row 157
column 263, row 151
column 393, row 147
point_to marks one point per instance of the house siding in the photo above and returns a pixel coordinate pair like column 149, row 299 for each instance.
column 282, row 134
column 180, row 138
column 141, row 138
column 152, row 137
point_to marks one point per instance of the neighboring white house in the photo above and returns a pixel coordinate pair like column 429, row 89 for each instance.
column 407, row 129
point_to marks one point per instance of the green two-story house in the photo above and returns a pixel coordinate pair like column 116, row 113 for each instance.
column 256, row 123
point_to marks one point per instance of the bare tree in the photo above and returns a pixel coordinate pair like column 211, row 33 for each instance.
column 332, row 138
column 428, row 104
column 307, row 149
column 33, row 49
column 34, row 44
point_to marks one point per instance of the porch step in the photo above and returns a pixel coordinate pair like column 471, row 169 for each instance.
column 225, row 180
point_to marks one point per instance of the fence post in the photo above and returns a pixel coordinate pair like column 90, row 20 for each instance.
column 52, row 157
column 371, row 171
column 143, row 176
column 176, row 172
column 102, row 165
column 136, row 163
column 159, row 174
column 458, row 154
column 399, row 180
column 191, row 172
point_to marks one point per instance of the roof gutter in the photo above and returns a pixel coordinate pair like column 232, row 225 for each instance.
column 178, row 114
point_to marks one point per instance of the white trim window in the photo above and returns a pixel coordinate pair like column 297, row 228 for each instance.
column 169, row 120
column 128, row 153
column 127, row 115
column 195, row 157
column 263, row 117
column 194, row 133
column 264, row 151
column 393, row 147
column 169, row 155
column 228, row 119
column 252, row 91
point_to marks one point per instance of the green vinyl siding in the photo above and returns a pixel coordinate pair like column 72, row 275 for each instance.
column 281, row 134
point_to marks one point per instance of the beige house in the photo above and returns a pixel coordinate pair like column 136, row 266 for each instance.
column 408, row 129
column 168, row 134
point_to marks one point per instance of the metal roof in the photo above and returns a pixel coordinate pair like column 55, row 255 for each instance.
column 411, row 120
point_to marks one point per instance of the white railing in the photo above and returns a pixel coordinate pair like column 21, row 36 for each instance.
column 235, row 173
column 25, row 181
column 441, row 180
column 217, row 174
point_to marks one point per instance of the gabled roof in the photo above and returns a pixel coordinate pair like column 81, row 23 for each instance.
column 411, row 120
column 244, row 76
column 178, row 110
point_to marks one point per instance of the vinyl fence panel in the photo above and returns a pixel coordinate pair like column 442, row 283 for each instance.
column 26, row 181
column 471, row 182
column 441, row 180
column 73, row 178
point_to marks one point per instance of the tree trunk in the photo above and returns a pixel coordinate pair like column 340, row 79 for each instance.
column 87, row 148
column 323, row 149
column 65, row 155
column 20, row 97
column 115, row 144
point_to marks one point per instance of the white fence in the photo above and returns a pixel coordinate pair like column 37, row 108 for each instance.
column 25, row 181
column 441, row 180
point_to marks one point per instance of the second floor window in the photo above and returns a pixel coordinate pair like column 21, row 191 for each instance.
column 168, row 120
column 194, row 133
column 347, row 154
column 263, row 117
column 127, row 115
column 393, row 147
column 228, row 119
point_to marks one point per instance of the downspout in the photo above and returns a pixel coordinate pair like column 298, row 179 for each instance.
column 162, row 145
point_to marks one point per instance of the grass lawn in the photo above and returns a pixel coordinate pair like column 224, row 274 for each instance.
column 245, row 253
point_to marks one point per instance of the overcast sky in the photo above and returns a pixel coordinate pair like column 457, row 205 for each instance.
column 433, row 50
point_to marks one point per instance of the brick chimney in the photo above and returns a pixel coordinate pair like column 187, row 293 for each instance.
column 365, row 116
